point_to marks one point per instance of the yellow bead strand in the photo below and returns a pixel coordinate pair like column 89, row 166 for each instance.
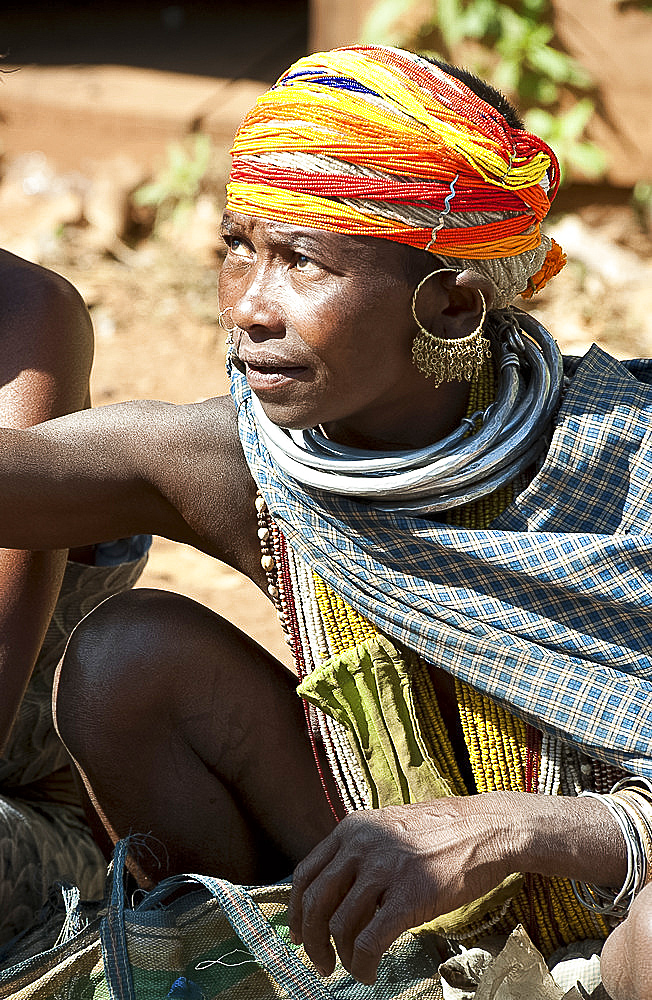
column 343, row 625
column 496, row 740
column 433, row 730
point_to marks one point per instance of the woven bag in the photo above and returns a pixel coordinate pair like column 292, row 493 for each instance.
column 216, row 941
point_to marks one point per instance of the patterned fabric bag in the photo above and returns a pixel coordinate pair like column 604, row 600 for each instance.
column 218, row 940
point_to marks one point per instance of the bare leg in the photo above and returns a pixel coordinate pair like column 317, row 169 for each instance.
column 186, row 729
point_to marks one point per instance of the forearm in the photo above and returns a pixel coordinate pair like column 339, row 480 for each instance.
column 383, row 871
column 29, row 588
column 71, row 481
column 565, row 836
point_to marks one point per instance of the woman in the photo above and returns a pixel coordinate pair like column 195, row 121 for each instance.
column 45, row 362
column 461, row 622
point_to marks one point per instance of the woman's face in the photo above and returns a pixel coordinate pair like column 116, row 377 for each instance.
column 325, row 330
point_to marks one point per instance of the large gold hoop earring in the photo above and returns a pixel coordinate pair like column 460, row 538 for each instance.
column 447, row 360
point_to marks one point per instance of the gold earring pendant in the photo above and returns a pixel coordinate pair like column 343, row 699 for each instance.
column 459, row 359
column 229, row 330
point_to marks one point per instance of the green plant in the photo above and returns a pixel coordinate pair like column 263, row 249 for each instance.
column 642, row 204
column 176, row 187
column 564, row 132
column 511, row 44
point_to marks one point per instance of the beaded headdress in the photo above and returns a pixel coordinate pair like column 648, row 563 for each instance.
column 376, row 141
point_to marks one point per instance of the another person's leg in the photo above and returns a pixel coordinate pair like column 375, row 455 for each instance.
column 41, row 843
column 186, row 729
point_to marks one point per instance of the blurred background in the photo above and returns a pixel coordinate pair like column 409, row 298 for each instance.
column 115, row 125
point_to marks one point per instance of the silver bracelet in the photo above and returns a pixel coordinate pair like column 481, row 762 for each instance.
column 604, row 900
column 635, row 794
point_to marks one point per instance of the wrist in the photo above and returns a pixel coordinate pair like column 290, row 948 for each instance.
column 571, row 837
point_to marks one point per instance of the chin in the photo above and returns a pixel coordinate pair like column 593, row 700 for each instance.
column 291, row 417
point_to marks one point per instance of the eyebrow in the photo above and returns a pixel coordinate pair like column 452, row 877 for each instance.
column 297, row 240
column 290, row 236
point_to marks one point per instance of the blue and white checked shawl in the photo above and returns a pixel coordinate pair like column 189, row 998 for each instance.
column 550, row 610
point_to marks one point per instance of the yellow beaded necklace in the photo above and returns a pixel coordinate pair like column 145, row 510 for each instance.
column 497, row 742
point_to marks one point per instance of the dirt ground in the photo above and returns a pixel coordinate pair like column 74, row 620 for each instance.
column 154, row 307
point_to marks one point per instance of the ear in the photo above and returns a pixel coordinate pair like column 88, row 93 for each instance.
column 470, row 297
column 474, row 280
column 451, row 305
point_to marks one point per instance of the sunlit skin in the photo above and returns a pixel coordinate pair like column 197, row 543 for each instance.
column 180, row 724
column 325, row 331
column 626, row 962
column 46, row 352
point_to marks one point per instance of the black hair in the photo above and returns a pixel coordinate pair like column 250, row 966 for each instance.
column 481, row 89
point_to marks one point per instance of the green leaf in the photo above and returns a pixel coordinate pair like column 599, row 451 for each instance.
column 449, row 22
column 539, row 121
column 507, row 76
column 178, row 184
column 588, row 159
column 512, row 27
column 558, row 66
column 535, row 8
column 547, row 92
column 574, row 121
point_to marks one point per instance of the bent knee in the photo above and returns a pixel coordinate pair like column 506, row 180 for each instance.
column 116, row 665
column 134, row 661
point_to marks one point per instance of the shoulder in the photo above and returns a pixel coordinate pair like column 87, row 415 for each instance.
column 29, row 291
column 193, row 457
column 193, row 443
column 207, row 425
column 46, row 343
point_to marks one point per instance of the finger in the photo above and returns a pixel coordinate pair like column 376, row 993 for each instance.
column 305, row 872
column 353, row 914
column 388, row 923
column 320, row 901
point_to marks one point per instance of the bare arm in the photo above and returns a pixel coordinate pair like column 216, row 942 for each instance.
column 46, row 350
column 383, row 871
column 94, row 475
column 142, row 466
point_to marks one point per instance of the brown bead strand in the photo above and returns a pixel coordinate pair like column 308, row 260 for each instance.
column 269, row 563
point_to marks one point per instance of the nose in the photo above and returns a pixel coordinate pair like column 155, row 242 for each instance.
column 257, row 309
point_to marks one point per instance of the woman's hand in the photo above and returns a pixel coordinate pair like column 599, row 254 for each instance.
column 383, row 871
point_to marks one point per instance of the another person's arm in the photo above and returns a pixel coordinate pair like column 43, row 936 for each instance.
column 46, row 352
column 98, row 474
column 626, row 962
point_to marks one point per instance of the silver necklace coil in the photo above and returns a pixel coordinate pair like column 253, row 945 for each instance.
column 457, row 469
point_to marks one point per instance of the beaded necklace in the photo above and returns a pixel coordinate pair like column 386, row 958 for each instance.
column 504, row 752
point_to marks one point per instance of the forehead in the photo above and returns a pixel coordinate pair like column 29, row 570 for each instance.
column 373, row 251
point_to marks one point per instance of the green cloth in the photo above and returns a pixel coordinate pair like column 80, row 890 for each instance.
column 368, row 690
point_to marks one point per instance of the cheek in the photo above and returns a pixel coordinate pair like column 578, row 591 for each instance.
column 223, row 287
column 226, row 284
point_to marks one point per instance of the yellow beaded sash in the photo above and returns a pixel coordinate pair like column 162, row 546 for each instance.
column 503, row 751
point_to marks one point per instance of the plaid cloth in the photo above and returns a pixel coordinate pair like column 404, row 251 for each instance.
column 548, row 612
